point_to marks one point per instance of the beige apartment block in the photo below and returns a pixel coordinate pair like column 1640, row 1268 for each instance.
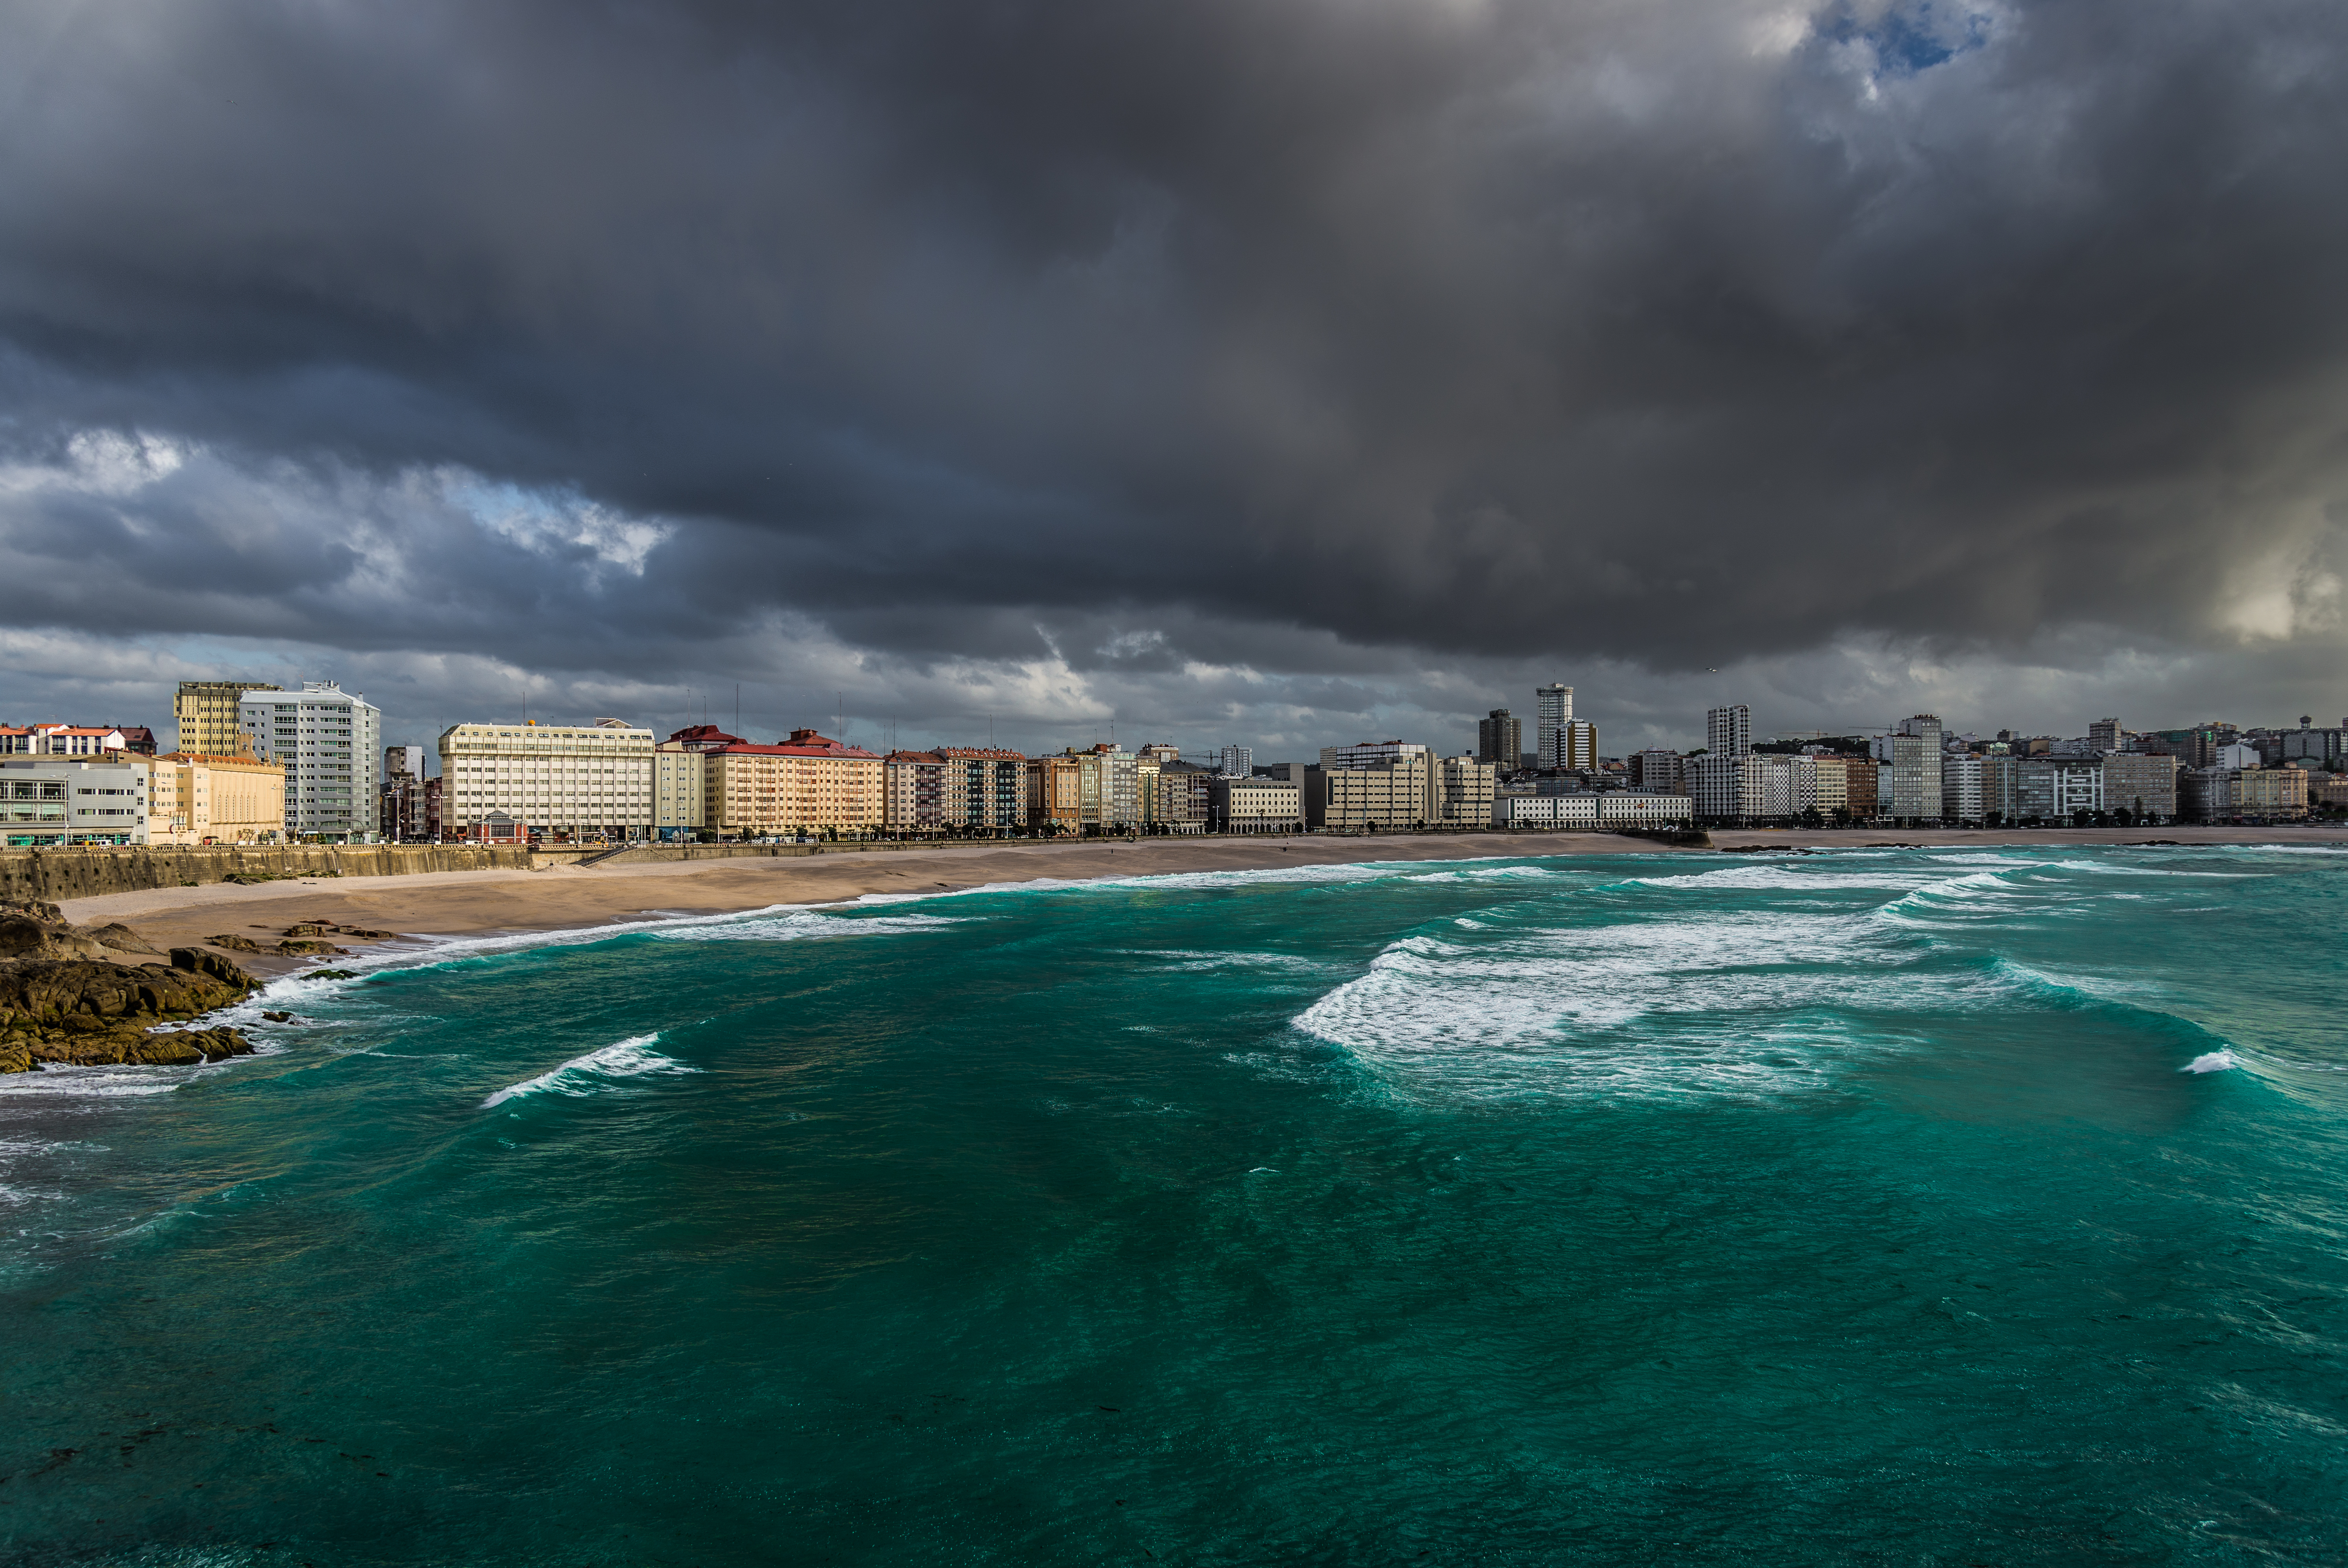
column 1181, row 797
column 1467, row 787
column 199, row 798
column 679, row 785
column 208, row 717
column 1259, row 806
column 574, row 781
column 808, row 784
column 1054, row 794
column 2270, row 792
column 985, row 788
column 1385, row 797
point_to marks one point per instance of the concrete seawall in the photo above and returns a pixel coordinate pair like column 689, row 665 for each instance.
column 90, row 872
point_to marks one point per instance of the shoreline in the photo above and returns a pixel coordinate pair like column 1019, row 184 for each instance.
column 439, row 905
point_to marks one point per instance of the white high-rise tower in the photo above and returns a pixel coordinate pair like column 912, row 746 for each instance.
column 1728, row 731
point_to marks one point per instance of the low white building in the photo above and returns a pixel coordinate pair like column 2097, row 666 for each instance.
column 51, row 800
column 1545, row 812
column 1638, row 809
column 330, row 743
column 572, row 781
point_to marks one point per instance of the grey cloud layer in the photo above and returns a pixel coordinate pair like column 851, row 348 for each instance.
column 1674, row 334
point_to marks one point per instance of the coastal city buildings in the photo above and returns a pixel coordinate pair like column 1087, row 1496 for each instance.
column 210, row 717
column 326, row 739
column 1237, row 762
column 569, row 781
column 197, row 799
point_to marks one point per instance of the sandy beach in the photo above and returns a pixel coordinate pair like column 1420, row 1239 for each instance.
column 460, row 903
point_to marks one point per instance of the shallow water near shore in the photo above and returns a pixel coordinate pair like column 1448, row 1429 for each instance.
column 1901, row 1206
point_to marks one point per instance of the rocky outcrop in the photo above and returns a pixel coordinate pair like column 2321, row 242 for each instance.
column 93, row 1013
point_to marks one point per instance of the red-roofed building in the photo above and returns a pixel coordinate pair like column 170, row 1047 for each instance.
column 807, row 784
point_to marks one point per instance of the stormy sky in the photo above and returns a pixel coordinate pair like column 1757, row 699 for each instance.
column 1272, row 371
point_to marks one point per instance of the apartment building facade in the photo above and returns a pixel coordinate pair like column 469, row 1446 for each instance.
column 1253, row 805
column 570, row 781
column 985, row 788
column 913, row 793
column 210, row 717
column 328, row 741
column 808, row 784
column 1181, row 797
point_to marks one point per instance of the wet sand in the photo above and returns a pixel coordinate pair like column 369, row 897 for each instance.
column 461, row 903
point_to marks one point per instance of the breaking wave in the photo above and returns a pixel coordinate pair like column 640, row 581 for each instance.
column 595, row 1071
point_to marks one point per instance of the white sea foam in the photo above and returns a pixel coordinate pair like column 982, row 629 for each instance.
column 597, row 1070
column 2211, row 1062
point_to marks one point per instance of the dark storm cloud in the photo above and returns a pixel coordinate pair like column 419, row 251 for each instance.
column 1676, row 334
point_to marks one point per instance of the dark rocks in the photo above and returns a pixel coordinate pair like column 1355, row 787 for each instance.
column 303, row 946
column 276, row 1018
column 92, row 1012
column 236, row 943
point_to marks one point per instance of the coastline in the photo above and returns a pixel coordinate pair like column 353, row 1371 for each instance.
column 571, row 898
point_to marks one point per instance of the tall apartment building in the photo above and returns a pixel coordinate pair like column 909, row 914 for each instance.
column 913, row 792
column 1500, row 739
column 1830, row 788
column 807, row 783
column 1728, row 731
column 680, row 785
column 985, row 788
column 1916, row 768
column 210, row 717
column 327, row 739
column 1109, row 795
column 568, row 780
column 1464, row 789
column 1750, row 788
column 2143, row 785
column 1183, row 799
column 48, row 800
column 194, row 799
column 1054, row 795
column 2103, row 735
column 1552, row 711
column 1577, row 745
column 1961, row 789
column 1237, row 762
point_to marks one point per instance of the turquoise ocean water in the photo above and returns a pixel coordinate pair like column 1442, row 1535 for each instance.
column 1899, row 1206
